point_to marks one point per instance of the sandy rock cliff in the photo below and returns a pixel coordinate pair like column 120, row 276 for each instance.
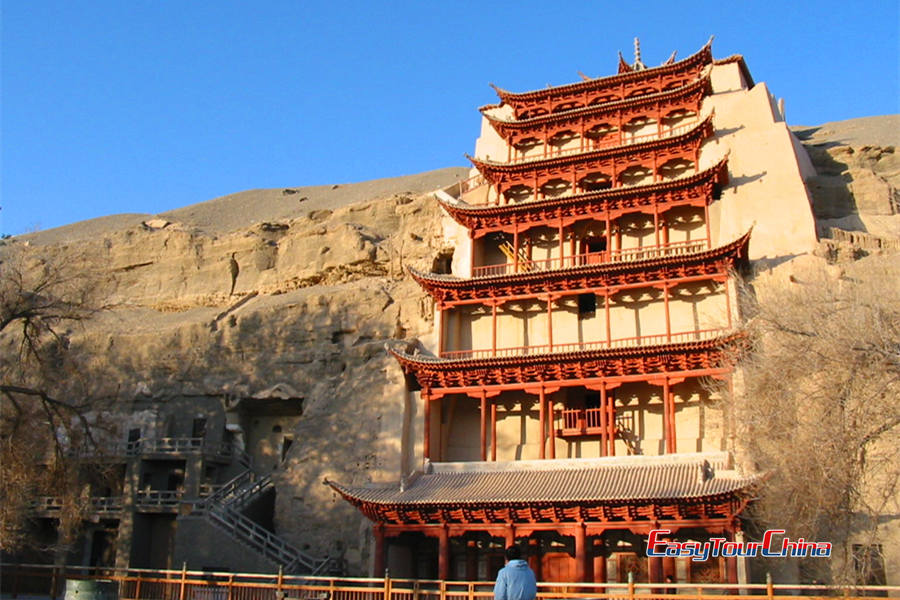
column 320, row 288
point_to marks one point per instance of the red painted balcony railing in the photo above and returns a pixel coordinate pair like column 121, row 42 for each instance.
column 630, row 342
column 614, row 137
column 593, row 258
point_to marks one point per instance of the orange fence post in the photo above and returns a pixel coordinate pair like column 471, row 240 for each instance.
column 770, row 589
column 183, row 580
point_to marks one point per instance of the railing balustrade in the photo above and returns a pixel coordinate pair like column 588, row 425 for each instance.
column 613, row 138
column 629, row 342
column 96, row 504
column 158, row 499
column 158, row 446
column 49, row 581
column 681, row 248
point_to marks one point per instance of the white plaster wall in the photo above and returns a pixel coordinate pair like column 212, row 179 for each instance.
column 766, row 187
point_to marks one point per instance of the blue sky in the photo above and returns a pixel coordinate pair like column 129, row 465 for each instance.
column 144, row 106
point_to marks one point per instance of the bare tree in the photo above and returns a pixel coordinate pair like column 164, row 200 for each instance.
column 42, row 400
column 820, row 406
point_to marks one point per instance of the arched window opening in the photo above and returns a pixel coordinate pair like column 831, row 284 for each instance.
column 675, row 168
column 641, row 92
column 593, row 182
column 602, row 99
column 561, row 138
column 567, row 106
column 678, row 117
column 603, row 134
column 518, row 193
column 555, row 188
column 636, row 175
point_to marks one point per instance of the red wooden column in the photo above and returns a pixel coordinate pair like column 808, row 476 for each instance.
column 551, row 413
column 608, row 238
column 606, row 294
column 599, row 561
column 583, row 566
column 731, row 571
column 493, row 431
column 611, row 418
column 426, row 443
column 443, row 553
column 562, row 241
column 665, row 289
column 493, row 328
column 379, row 550
column 604, row 426
column 442, row 324
column 550, row 321
column 510, row 535
column 668, row 419
column 706, row 218
column 484, row 410
column 516, row 248
column 727, row 301
column 543, row 422
column 656, row 221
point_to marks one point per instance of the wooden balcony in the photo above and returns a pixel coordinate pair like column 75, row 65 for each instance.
column 580, row 422
column 98, row 505
column 164, row 501
column 682, row 248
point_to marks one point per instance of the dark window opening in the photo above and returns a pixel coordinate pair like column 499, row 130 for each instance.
column 134, row 434
column 587, row 304
column 285, row 446
column 716, row 191
column 276, row 429
column 198, row 430
column 442, row 262
column 592, row 400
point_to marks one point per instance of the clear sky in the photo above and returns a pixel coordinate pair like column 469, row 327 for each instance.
column 113, row 106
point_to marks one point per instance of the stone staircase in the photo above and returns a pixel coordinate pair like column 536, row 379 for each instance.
column 222, row 509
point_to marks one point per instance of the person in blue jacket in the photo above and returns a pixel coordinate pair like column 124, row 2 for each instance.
column 516, row 580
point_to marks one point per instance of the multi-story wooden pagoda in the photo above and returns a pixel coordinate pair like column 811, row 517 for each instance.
column 565, row 405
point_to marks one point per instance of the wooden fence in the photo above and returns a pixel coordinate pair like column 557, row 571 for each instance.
column 28, row 582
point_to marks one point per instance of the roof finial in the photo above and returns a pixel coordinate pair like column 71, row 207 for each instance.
column 638, row 64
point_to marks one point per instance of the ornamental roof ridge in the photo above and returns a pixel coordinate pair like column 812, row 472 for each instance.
column 611, row 150
column 700, row 54
column 705, row 79
column 463, row 207
column 717, row 459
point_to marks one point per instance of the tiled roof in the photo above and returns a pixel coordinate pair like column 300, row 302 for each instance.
column 670, row 477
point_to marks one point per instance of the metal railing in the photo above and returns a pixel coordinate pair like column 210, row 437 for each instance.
column 260, row 539
column 629, row 342
column 158, row 446
column 682, row 248
column 143, row 584
column 167, row 500
column 96, row 505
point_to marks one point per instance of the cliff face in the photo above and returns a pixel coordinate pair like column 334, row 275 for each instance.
column 317, row 294
column 320, row 287
column 857, row 181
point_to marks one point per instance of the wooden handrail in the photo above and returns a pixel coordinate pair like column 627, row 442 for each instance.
column 144, row 584
column 629, row 342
